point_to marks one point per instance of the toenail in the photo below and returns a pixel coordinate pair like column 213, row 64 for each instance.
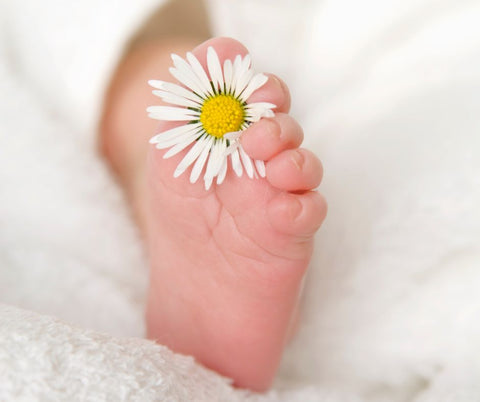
column 272, row 128
column 295, row 208
column 277, row 82
column 282, row 88
column 298, row 159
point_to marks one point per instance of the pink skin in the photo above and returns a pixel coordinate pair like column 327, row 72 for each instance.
column 227, row 263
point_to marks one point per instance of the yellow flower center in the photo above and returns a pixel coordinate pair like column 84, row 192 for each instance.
column 222, row 114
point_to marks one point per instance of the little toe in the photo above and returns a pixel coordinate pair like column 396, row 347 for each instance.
column 297, row 214
column 268, row 137
column 294, row 170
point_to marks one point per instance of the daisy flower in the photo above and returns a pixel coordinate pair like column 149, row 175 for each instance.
column 215, row 110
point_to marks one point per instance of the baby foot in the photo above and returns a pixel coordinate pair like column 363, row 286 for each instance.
column 227, row 263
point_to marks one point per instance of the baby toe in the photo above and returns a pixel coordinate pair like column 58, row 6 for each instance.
column 294, row 170
column 297, row 214
column 268, row 137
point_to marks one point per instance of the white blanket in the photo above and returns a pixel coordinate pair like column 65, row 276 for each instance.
column 389, row 95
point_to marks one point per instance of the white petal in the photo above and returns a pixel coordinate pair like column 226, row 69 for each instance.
column 235, row 69
column 223, row 155
column 176, row 90
column 264, row 105
column 242, row 82
column 215, row 160
column 187, row 80
column 178, row 148
column 200, row 73
column 260, row 165
column 247, row 162
column 188, row 71
column 180, row 139
column 156, row 83
column 223, row 171
column 175, row 99
column 255, row 83
column 236, row 164
column 244, row 75
column 247, row 62
column 255, row 116
column 214, row 68
column 255, row 111
column 191, row 155
column 232, row 136
column 237, row 65
column 232, row 147
column 200, row 163
column 228, row 74
column 211, row 162
column 208, row 182
column 170, row 113
column 184, row 128
column 170, row 133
